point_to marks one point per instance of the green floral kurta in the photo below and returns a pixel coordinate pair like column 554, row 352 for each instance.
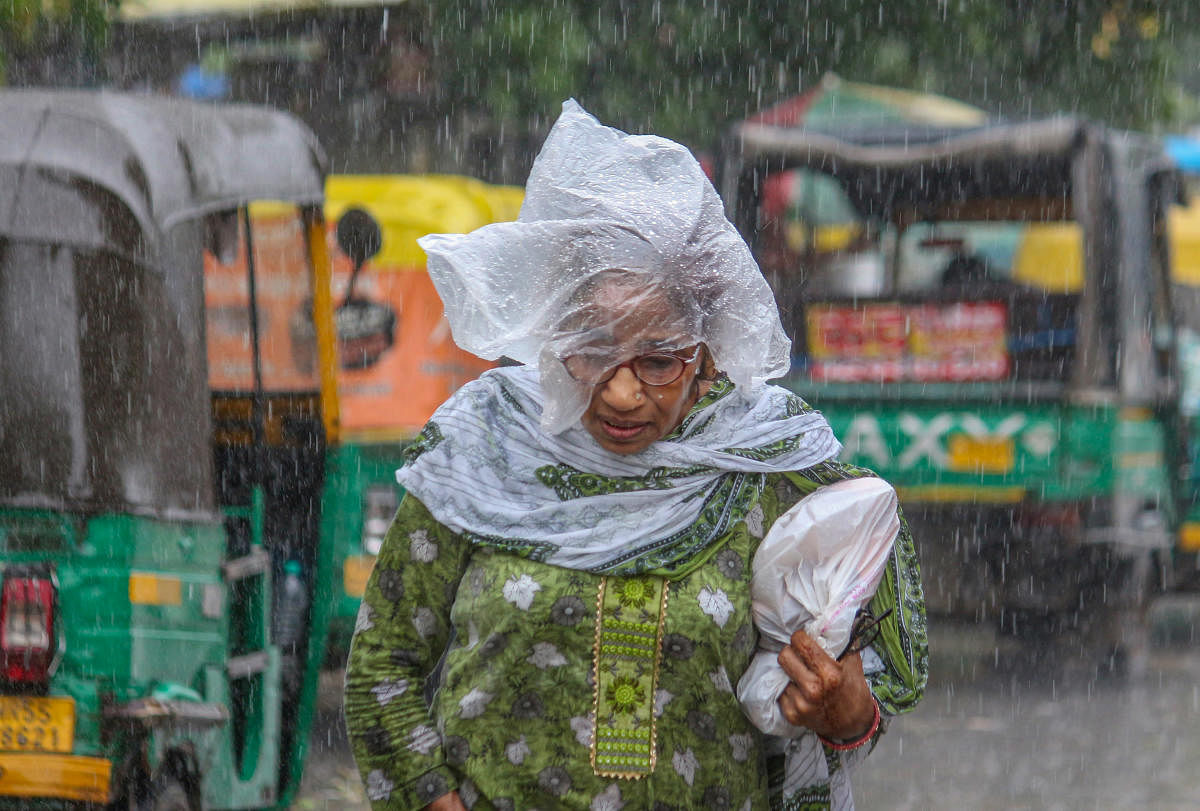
column 566, row 689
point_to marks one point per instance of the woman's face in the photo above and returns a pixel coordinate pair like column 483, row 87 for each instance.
column 626, row 415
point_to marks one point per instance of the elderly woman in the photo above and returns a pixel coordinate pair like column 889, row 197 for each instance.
column 560, row 613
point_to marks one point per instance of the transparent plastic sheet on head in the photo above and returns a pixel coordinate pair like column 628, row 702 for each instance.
column 621, row 243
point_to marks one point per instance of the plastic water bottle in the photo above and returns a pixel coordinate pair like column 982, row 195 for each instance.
column 291, row 607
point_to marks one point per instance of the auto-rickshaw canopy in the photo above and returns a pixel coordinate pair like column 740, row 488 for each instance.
column 914, row 170
column 104, row 400
column 166, row 160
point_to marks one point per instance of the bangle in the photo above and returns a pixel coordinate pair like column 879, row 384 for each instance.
column 857, row 742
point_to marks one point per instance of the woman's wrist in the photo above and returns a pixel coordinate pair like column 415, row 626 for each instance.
column 854, row 743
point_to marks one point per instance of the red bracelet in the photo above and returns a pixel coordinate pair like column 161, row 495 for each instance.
column 857, row 742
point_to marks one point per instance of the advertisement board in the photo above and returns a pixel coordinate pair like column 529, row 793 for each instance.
column 890, row 342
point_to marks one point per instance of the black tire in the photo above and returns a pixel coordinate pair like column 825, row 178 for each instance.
column 1037, row 638
column 167, row 793
column 1098, row 632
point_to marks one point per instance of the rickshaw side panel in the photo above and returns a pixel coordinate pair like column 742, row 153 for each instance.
column 363, row 466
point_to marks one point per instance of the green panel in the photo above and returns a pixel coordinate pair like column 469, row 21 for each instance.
column 971, row 436
column 1139, row 448
column 1087, row 460
column 135, row 646
column 1189, row 484
column 114, row 650
column 253, row 783
column 359, row 466
column 108, row 639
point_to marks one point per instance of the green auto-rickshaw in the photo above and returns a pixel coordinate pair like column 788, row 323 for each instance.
column 166, row 404
column 983, row 311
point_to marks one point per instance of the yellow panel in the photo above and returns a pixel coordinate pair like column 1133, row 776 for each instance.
column 1050, row 257
column 37, row 724
column 154, row 589
column 944, row 493
column 64, row 777
column 271, row 209
column 1183, row 225
column 505, row 201
column 377, row 436
column 826, row 238
column 1135, row 414
column 410, row 206
column 980, row 455
column 1140, row 460
column 355, row 572
column 925, row 106
column 1189, row 537
column 331, row 410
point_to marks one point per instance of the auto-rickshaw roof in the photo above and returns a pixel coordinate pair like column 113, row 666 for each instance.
column 850, row 123
column 904, row 146
column 894, row 169
column 166, row 159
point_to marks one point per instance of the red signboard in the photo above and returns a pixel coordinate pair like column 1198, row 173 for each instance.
column 889, row 342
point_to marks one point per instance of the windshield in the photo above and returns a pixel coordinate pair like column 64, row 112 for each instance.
column 932, row 300
column 287, row 359
column 96, row 404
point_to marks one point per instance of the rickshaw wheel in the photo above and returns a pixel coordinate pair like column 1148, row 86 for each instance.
column 167, row 793
column 1092, row 626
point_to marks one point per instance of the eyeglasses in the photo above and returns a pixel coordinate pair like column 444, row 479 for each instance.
column 653, row 369
column 865, row 631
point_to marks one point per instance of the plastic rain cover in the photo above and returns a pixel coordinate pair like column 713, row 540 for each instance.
column 621, row 248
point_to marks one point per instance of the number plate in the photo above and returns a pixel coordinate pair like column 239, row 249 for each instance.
column 32, row 724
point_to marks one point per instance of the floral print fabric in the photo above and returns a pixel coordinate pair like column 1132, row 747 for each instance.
column 509, row 716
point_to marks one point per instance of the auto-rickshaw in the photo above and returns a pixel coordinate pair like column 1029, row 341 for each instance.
column 167, row 399
column 1183, row 227
column 397, row 360
column 1030, row 422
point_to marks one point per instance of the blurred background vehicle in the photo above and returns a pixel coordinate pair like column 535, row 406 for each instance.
column 983, row 311
column 163, row 448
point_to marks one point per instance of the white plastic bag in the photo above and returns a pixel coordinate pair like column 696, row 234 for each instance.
column 819, row 563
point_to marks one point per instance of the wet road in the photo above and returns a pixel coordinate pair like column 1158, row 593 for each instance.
column 982, row 738
column 986, row 740
column 330, row 778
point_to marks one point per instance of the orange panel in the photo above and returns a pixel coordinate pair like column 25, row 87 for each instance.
column 418, row 371
column 64, row 777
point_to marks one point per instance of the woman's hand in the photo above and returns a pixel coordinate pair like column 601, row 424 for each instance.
column 447, row 802
column 829, row 697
